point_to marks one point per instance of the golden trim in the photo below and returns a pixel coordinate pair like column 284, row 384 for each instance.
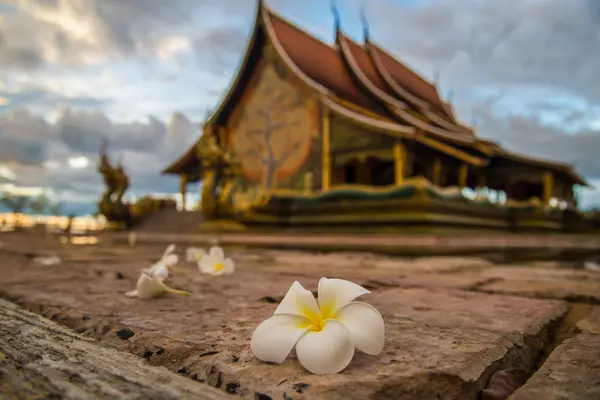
column 463, row 174
column 393, row 128
column 548, row 181
column 437, row 169
column 326, row 149
column 418, row 183
column 445, row 148
column 399, row 161
column 183, row 182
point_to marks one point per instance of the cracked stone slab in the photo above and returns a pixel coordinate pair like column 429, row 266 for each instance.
column 571, row 372
column 41, row 359
column 551, row 283
column 440, row 343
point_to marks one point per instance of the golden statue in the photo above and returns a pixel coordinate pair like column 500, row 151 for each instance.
column 223, row 191
column 122, row 182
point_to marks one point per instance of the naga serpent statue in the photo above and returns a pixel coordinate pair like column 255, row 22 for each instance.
column 224, row 192
column 117, row 183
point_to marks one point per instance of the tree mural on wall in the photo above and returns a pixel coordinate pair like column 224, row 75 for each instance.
column 273, row 134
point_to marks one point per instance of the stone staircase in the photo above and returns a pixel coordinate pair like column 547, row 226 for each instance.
column 171, row 221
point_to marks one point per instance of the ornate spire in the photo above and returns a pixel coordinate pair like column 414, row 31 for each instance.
column 450, row 95
column 336, row 16
column 436, row 76
column 365, row 23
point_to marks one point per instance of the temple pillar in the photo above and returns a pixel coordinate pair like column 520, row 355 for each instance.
column 437, row 169
column 326, row 151
column 183, row 182
column 463, row 174
column 399, row 161
column 548, row 184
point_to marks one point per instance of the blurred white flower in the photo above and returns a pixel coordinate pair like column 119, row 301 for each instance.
column 325, row 333
column 132, row 238
column 47, row 260
column 194, row 254
column 151, row 281
column 215, row 263
column 169, row 259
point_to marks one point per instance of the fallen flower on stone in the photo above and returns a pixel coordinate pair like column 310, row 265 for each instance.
column 215, row 263
column 47, row 260
column 132, row 238
column 194, row 254
column 169, row 259
column 151, row 281
column 326, row 333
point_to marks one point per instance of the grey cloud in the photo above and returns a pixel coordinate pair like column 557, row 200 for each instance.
column 528, row 135
column 24, row 151
column 37, row 151
column 553, row 42
column 113, row 28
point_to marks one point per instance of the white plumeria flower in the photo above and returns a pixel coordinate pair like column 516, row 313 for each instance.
column 132, row 238
column 151, row 282
column 215, row 263
column 194, row 254
column 168, row 260
column 47, row 260
column 325, row 333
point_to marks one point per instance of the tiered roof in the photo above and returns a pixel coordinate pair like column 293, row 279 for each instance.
column 366, row 84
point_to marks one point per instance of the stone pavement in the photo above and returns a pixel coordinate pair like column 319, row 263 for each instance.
column 459, row 241
column 451, row 322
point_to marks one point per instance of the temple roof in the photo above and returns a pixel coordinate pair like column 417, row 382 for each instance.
column 361, row 82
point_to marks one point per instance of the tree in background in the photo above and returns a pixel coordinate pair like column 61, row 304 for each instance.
column 16, row 204
column 56, row 208
column 40, row 204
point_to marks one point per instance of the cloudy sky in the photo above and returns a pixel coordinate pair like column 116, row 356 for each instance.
column 144, row 74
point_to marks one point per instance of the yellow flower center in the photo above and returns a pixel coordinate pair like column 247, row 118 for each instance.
column 315, row 321
column 219, row 267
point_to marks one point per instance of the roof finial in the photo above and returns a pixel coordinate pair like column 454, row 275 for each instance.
column 365, row 23
column 436, row 76
column 450, row 95
column 336, row 16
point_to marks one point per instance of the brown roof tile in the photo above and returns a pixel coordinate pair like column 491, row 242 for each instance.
column 410, row 80
column 320, row 62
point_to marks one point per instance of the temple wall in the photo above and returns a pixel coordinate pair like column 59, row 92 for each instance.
column 349, row 137
column 275, row 129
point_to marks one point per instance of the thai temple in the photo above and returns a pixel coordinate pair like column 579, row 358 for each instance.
column 345, row 136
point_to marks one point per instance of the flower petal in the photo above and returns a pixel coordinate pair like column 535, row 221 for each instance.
column 328, row 351
column 132, row 293
column 217, row 252
column 299, row 301
column 160, row 272
column 190, row 254
column 275, row 337
column 170, row 259
column 366, row 326
column 207, row 264
column 336, row 293
column 148, row 287
column 228, row 266
column 170, row 249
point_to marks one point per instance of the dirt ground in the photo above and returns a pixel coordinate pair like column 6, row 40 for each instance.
column 456, row 327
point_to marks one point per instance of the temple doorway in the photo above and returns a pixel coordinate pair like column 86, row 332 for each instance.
column 382, row 173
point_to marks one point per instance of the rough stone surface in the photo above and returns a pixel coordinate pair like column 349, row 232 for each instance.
column 571, row 372
column 41, row 359
column 591, row 323
column 567, row 284
column 444, row 339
